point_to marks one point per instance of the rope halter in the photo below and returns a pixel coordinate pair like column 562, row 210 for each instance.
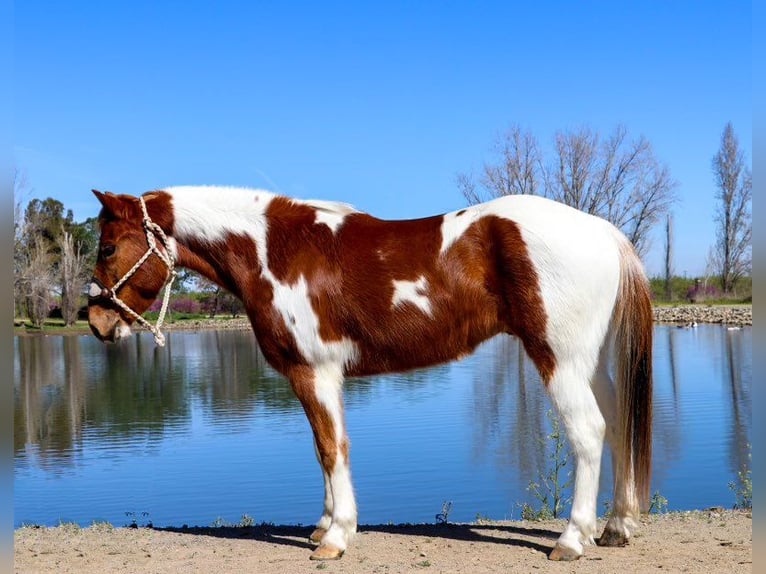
column 153, row 232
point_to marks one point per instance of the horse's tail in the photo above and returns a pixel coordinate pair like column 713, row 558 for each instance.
column 634, row 324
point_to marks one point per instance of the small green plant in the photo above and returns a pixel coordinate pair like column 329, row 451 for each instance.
column 443, row 516
column 743, row 489
column 658, row 504
column 322, row 566
column 71, row 526
column 529, row 512
column 481, row 518
column 102, row 525
column 246, row 521
column 550, row 491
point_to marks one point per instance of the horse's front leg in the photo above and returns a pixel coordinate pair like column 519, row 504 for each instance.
column 324, row 523
column 319, row 391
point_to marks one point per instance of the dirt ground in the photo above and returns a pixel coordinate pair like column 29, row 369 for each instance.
column 701, row 541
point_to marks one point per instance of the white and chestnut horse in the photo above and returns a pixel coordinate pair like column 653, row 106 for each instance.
column 332, row 292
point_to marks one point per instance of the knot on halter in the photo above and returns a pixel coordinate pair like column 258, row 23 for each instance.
column 153, row 231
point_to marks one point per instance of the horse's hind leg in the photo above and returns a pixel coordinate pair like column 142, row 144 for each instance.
column 319, row 391
column 575, row 402
column 625, row 507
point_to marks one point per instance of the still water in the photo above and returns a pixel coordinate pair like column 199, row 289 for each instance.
column 203, row 430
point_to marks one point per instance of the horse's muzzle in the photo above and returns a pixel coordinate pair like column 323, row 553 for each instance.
column 107, row 325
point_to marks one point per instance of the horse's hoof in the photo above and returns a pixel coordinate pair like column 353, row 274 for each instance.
column 612, row 537
column 563, row 554
column 317, row 535
column 327, row 552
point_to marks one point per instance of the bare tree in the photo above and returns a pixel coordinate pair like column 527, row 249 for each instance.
column 732, row 252
column 668, row 257
column 515, row 170
column 617, row 179
column 37, row 281
column 20, row 190
column 73, row 277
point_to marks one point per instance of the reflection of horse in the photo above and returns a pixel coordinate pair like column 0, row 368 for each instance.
column 332, row 292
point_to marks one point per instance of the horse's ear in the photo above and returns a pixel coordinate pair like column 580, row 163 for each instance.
column 114, row 206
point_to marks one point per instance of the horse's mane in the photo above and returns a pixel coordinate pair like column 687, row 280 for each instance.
column 245, row 194
column 336, row 207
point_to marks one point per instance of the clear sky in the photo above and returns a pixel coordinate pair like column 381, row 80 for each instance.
column 376, row 104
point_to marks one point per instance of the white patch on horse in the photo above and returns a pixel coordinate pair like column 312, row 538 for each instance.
column 454, row 225
column 294, row 305
column 344, row 513
column 412, row 292
column 330, row 213
column 328, row 380
column 211, row 213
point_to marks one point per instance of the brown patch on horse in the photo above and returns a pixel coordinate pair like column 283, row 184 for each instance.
column 519, row 289
column 302, row 380
column 492, row 253
column 297, row 248
column 230, row 262
column 376, row 253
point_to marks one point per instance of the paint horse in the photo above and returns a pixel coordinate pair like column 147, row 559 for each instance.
column 332, row 292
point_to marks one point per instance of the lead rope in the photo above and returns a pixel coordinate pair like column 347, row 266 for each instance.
column 151, row 229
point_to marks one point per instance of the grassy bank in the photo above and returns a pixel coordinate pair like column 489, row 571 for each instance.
column 709, row 312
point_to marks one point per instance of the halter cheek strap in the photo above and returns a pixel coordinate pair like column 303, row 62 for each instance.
column 96, row 290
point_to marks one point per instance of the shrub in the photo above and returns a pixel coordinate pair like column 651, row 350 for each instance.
column 700, row 292
column 184, row 305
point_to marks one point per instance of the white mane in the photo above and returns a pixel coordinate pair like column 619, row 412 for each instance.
column 337, row 207
column 210, row 212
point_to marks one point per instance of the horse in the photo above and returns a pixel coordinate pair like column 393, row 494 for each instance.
column 332, row 292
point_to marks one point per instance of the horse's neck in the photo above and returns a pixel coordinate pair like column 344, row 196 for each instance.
column 217, row 230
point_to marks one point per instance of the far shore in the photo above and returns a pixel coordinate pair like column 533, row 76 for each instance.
column 684, row 315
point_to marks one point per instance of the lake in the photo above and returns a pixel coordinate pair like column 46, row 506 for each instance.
column 203, row 431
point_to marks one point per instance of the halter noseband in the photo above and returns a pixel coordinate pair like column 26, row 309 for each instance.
column 97, row 290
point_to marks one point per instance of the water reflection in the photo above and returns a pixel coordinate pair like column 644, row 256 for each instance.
column 468, row 431
column 508, row 407
column 63, row 385
column 738, row 373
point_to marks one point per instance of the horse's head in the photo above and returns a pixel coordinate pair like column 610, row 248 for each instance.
column 134, row 263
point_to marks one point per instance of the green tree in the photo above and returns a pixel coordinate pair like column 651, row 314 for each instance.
column 52, row 256
column 45, row 221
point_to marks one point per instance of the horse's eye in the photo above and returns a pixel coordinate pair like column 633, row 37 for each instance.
column 107, row 251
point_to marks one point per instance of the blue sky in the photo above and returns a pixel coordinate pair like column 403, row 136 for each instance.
column 376, row 104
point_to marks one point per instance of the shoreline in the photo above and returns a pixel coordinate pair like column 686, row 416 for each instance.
column 712, row 540
column 734, row 315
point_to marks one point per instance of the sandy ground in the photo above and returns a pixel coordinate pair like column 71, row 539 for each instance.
column 702, row 541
